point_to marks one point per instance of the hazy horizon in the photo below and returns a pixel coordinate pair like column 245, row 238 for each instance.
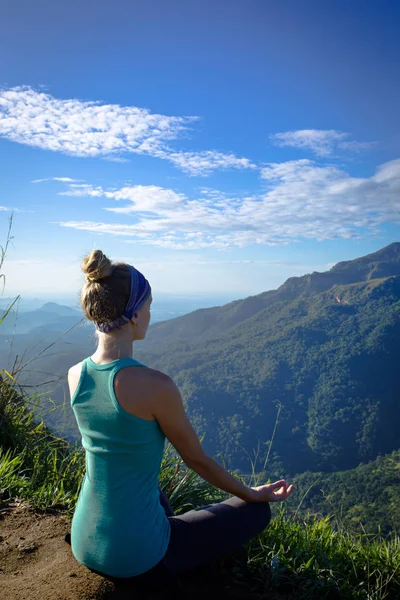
column 164, row 307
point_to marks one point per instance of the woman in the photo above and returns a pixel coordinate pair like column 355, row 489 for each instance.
column 123, row 525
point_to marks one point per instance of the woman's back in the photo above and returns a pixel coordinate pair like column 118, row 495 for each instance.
column 119, row 526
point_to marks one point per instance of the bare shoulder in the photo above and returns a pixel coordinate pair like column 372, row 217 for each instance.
column 74, row 374
column 134, row 374
column 75, row 370
column 163, row 384
column 140, row 390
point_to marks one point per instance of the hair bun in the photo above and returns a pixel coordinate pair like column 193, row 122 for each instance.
column 96, row 266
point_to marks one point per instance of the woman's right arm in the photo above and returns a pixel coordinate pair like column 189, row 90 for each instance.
column 171, row 416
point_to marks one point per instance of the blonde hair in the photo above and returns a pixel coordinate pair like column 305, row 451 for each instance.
column 106, row 290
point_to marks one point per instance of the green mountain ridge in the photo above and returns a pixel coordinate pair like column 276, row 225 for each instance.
column 322, row 345
column 210, row 321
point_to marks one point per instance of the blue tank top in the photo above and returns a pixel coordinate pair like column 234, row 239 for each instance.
column 119, row 526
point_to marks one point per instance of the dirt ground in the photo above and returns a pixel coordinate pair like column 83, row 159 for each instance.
column 37, row 564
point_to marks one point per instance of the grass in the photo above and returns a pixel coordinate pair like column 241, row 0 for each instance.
column 306, row 558
column 316, row 561
column 34, row 464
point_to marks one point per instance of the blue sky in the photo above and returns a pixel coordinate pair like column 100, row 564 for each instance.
column 220, row 147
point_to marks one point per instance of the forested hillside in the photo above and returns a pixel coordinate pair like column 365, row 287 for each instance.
column 367, row 495
column 323, row 346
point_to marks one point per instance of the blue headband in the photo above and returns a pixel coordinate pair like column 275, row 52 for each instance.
column 140, row 291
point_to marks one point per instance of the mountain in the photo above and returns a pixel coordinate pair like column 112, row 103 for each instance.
column 324, row 347
column 59, row 309
column 50, row 316
column 208, row 322
column 329, row 359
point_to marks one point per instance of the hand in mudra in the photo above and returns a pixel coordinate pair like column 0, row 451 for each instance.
column 272, row 492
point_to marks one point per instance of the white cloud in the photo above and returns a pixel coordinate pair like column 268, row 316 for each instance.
column 82, row 128
column 202, row 163
column 144, row 198
column 87, row 128
column 62, row 179
column 9, row 209
column 354, row 146
column 323, row 142
column 301, row 200
column 117, row 229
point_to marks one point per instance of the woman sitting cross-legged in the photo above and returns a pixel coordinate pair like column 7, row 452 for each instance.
column 123, row 526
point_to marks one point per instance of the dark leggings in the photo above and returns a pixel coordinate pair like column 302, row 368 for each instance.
column 203, row 535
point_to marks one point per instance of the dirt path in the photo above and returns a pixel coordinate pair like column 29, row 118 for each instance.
column 37, row 564
column 35, row 561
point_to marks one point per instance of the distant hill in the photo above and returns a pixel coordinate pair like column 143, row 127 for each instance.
column 59, row 309
column 50, row 316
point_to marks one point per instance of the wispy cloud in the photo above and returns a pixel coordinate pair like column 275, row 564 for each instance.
column 10, row 209
column 323, row 142
column 88, row 128
column 62, row 179
column 301, row 200
column 83, row 128
column 202, row 163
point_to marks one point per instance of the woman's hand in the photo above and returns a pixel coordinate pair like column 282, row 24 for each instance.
column 272, row 492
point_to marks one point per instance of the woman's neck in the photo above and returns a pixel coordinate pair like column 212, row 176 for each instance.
column 112, row 347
